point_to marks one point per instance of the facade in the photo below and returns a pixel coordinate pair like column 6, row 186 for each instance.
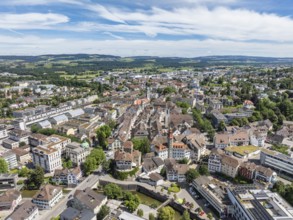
column 47, row 158
column 3, row 132
column 8, row 181
column 197, row 143
column 279, row 162
column 214, row 163
column 10, row 158
column 162, row 151
column 175, row 171
column 10, row 199
column 67, row 177
column 26, row 211
column 250, row 203
column 77, row 152
column 22, row 155
column 114, row 144
column 88, row 199
column 214, row 193
column 47, row 197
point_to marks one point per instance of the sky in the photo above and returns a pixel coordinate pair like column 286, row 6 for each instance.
column 181, row 28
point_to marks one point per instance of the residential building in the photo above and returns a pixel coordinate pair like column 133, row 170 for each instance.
column 57, row 120
column 175, row 171
column 162, row 151
column 10, row 159
column 77, row 152
column 152, row 165
column 88, row 199
column 48, row 158
column 47, row 197
column 19, row 135
column 254, row 204
column 114, row 144
column 214, row 163
column 237, row 138
column 214, row 192
column 3, row 132
column 230, row 165
column 10, row 199
column 26, row 211
column 197, row 143
column 22, row 155
column 67, row 176
column 281, row 163
column 74, row 214
column 8, row 181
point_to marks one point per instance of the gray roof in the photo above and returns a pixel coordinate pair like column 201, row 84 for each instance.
column 23, row 211
column 60, row 118
column 75, row 113
column 44, row 123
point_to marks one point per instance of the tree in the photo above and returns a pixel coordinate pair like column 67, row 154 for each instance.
column 67, row 163
column 23, row 172
column 36, row 178
column 184, row 161
column 113, row 191
column 166, row 213
column 89, row 165
column 185, row 215
column 141, row 144
column 191, row 174
column 140, row 212
column 3, row 166
column 210, row 216
column 151, row 216
column 131, row 205
column 103, row 133
column 104, row 211
column 221, row 126
column 98, row 155
column 203, row 170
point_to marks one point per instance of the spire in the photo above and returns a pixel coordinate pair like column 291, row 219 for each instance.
column 170, row 143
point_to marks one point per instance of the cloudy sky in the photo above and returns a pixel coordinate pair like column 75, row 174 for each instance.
column 186, row 28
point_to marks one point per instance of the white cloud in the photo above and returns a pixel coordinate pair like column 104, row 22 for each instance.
column 31, row 20
column 38, row 2
column 32, row 45
column 218, row 23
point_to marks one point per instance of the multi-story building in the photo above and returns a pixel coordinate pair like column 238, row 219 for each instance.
column 77, row 152
column 10, row 158
column 282, row 163
column 180, row 151
column 10, row 199
column 250, row 203
column 3, row 132
column 47, row 197
column 8, row 181
column 162, row 151
column 114, row 144
column 175, row 171
column 237, row 138
column 214, row 192
column 26, row 211
column 67, row 176
column 48, row 158
column 214, row 163
column 197, row 143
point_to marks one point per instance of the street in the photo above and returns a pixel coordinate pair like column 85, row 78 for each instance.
column 90, row 181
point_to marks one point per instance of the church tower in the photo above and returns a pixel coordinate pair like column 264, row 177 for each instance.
column 170, row 143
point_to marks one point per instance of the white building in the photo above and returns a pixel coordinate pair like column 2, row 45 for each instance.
column 26, row 211
column 48, row 158
column 77, row 152
column 67, row 176
column 175, row 171
column 47, row 197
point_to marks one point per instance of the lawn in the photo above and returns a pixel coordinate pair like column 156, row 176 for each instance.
column 174, row 188
column 28, row 193
column 242, row 150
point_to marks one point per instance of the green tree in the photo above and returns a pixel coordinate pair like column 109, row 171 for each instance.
column 89, row 165
column 210, row 216
column 113, row 191
column 104, row 211
column 98, row 155
column 203, row 170
column 36, row 178
column 3, row 166
column 67, row 163
column 24, row 172
column 141, row 144
column 185, row 215
column 140, row 212
column 184, row 161
column 221, row 126
column 151, row 216
column 103, row 133
column 131, row 205
column 166, row 213
column 191, row 174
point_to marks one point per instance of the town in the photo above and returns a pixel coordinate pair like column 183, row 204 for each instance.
column 211, row 142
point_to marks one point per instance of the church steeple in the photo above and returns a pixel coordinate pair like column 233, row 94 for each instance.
column 170, row 143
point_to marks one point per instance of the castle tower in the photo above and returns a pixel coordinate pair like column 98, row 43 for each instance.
column 170, row 143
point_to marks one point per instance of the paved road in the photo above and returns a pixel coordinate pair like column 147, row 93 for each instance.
column 90, row 181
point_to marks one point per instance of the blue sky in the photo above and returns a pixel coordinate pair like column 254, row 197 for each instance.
column 186, row 28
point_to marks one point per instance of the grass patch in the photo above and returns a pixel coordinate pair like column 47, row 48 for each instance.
column 174, row 188
column 242, row 150
column 28, row 193
column 13, row 171
column 180, row 201
column 281, row 148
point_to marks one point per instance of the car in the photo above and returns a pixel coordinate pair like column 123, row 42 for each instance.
column 69, row 196
column 206, row 205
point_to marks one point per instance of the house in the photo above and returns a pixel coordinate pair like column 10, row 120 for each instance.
column 47, row 197
column 10, row 199
column 19, row 135
column 74, row 214
column 218, row 117
column 88, row 199
column 257, row 137
column 248, row 104
column 67, row 176
column 196, row 142
column 10, row 159
column 153, row 164
column 26, row 211
column 175, row 171
column 237, row 138
column 114, row 144
column 215, row 158
column 8, row 181
column 22, row 155
column 230, row 165
column 47, row 157
column 77, row 152
column 10, row 144
column 221, row 141
column 127, row 158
